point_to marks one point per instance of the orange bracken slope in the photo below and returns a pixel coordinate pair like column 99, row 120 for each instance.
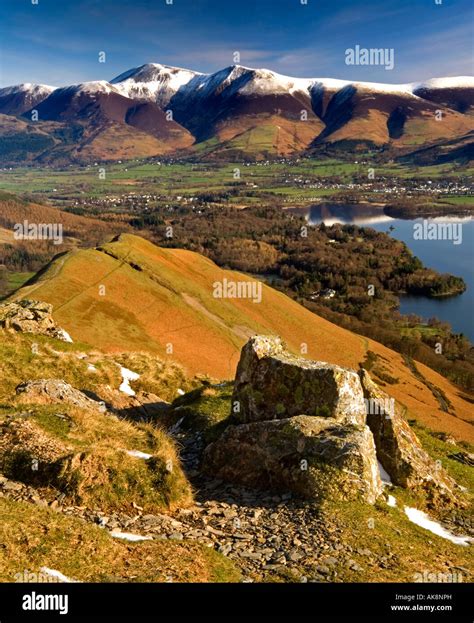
column 131, row 295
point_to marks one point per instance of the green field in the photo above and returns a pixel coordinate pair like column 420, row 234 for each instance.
column 460, row 200
column 247, row 181
column 16, row 280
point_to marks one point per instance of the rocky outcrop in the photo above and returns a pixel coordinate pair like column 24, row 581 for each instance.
column 55, row 391
column 29, row 316
column 313, row 457
column 271, row 383
column 399, row 450
column 318, row 430
column 300, row 428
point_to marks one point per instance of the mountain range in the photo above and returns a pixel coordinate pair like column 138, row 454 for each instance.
column 235, row 112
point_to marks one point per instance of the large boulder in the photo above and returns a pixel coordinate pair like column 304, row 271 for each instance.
column 271, row 383
column 399, row 449
column 29, row 316
column 55, row 391
column 313, row 457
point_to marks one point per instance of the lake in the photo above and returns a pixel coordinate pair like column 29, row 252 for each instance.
column 442, row 255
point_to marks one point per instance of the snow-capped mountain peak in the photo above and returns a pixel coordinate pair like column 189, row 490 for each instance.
column 267, row 81
column 18, row 98
column 151, row 72
column 93, row 87
column 154, row 82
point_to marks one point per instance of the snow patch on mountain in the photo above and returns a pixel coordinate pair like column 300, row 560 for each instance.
column 334, row 84
column 53, row 573
column 267, row 81
column 454, row 82
column 384, row 476
column 138, row 454
column 93, row 87
column 28, row 87
column 127, row 376
column 421, row 519
column 129, row 536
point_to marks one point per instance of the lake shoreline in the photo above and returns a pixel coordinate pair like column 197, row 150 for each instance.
column 454, row 307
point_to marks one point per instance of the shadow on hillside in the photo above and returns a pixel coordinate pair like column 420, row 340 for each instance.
column 206, row 487
column 153, row 413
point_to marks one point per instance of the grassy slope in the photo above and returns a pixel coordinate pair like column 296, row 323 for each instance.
column 383, row 529
column 167, row 299
column 263, row 135
column 36, row 537
column 32, row 536
column 82, row 453
column 13, row 210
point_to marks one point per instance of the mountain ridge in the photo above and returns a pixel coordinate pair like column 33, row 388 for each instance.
column 234, row 112
column 150, row 71
column 157, row 296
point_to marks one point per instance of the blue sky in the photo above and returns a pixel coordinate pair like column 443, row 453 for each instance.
column 58, row 41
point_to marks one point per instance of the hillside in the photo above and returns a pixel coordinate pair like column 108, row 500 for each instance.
column 105, row 479
column 16, row 210
column 87, row 121
column 355, row 114
column 27, row 251
column 161, row 300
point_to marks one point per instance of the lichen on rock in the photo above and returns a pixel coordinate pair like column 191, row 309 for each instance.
column 318, row 430
column 271, row 383
column 28, row 316
column 300, row 428
column 55, row 391
column 314, row 457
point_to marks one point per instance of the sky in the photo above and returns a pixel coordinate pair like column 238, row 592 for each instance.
column 58, row 42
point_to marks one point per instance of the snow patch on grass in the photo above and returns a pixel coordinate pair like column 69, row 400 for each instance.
column 128, row 536
column 58, row 575
column 421, row 519
column 138, row 454
column 127, row 376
